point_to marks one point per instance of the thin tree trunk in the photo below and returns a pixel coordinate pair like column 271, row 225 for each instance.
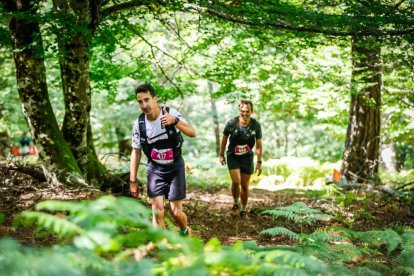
column 388, row 157
column 278, row 140
column 286, row 133
column 215, row 118
column 58, row 162
column 361, row 151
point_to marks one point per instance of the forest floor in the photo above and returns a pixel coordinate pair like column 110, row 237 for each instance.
column 209, row 210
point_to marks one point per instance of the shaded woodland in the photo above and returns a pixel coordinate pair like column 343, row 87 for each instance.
column 333, row 87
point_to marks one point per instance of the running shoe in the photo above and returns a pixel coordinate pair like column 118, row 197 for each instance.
column 235, row 209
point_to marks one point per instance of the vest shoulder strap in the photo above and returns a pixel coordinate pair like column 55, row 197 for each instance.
column 141, row 124
column 142, row 128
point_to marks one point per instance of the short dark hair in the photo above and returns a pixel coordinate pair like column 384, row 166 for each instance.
column 144, row 88
column 246, row 102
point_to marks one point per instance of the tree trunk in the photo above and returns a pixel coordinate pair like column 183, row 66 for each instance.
column 215, row 118
column 286, row 134
column 58, row 162
column 361, row 151
column 74, row 48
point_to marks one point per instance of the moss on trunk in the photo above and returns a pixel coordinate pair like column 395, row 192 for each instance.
column 57, row 159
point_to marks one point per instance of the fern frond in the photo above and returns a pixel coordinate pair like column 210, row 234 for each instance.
column 299, row 212
column 364, row 271
column 403, row 270
column 124, row 212
column 294, row 260
column 405, row 260
column 59, row 206
column 377, row 266
column 408, row 241
column 18, row 260
column 346, row 252
column 322, row 236
column 377, row 238
column 319, row 250
column 276, row 231
column 283, row 270
column 338, row 269
column 346, row 232
column 59, row 226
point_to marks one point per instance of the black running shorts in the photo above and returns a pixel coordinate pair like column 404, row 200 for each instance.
column 243, row 162
column 168, row 181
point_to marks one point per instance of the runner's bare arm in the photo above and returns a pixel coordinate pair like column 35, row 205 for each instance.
column 135, row 159
column 259, row 151
column 222, row 149
column 186, row 128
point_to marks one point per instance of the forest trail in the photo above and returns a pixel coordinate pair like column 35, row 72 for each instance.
column 209, row 211
column 209, row 214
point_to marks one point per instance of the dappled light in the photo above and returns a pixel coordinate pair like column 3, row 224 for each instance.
column 206, row 137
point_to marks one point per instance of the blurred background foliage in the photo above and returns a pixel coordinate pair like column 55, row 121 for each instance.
column 299, row 84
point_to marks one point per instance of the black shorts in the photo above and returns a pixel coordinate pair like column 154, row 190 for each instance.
column 243, row 162
column 168, row 181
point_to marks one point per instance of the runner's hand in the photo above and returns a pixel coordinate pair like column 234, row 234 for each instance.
column 167, row 119
column 135, row 190
column 222, row 160
column 259, row 168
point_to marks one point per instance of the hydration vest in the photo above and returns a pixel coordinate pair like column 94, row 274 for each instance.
column 239, row 137
column 174, row 141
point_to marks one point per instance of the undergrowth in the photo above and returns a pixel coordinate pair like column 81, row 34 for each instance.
column 346, row 251
column 114, row 236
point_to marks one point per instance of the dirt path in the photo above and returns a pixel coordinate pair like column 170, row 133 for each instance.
column 208, row 211
column 209, row 215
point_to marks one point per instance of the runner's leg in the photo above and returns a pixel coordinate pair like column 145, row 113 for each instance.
column 176, row 210
column 235, row 184
column 244, row 193
column 157, row 204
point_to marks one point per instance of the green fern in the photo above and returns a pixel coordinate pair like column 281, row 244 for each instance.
column 403, row 270
column 364, row 271
column 62, row 260
column 341, row 253
column 106, row 225
column 288, row 259
column 377, row 266
column 405, row 260
column 60, row 226
column 324, row 235
column 277, row 231
column 376, row 238
column 122, row 211
column 299, row 212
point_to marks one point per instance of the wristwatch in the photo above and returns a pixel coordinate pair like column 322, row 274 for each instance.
column 177, row 120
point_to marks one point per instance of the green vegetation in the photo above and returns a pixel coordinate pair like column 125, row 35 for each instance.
column 114, row 236
column 367, row 252
column 332, row 85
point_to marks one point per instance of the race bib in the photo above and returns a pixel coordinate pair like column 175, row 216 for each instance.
column 240, row 150
column 162, row 156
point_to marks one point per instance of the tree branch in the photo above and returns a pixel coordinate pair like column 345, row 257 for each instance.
column 404, row 185
column 301, row 28
column 123, row 6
